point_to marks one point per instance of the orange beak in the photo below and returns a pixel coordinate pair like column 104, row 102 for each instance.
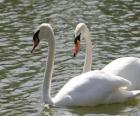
column 34, row 46
column 76, row 48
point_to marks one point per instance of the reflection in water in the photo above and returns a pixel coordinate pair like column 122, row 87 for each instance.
column 114, row 26
column 105, row 109
column 111, row 109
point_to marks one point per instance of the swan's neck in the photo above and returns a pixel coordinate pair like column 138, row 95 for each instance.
column 88, row 57
column 48, row 71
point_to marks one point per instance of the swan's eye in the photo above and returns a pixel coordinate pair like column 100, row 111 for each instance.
column 35, row 40
column 77, row 39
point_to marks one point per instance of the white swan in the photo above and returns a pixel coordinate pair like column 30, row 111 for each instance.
column 89, row 89
column 126, row 67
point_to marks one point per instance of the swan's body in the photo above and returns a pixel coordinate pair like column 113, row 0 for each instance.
column 89, row 89
column 93, row 88
column 126, row 67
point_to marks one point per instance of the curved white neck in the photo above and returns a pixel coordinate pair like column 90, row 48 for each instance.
column 49, row 69
column 88, row 57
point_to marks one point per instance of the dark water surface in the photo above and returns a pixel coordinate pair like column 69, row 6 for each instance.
column 115, row 29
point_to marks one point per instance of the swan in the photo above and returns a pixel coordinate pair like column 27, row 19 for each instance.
column 126, row 67
column 88, row 89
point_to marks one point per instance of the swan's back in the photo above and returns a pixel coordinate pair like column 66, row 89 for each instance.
column 126, row 67
column 90, row 89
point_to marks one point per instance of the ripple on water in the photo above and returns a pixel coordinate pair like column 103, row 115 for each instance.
column 114, row 27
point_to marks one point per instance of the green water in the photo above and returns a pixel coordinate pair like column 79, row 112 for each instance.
column 115, row 29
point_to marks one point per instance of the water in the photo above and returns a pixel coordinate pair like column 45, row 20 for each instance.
column 115, row 29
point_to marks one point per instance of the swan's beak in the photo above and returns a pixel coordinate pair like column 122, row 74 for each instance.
column 76, row 48
column 35, row 41
column 34, row 46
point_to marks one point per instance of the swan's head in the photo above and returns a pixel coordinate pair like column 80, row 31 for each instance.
column 80, row 32
column 42, row 31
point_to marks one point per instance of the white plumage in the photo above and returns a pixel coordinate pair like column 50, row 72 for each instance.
column 93, row 88
column 126, row 67
column 88, row 89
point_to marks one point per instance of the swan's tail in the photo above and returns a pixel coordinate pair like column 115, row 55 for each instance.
column 126, row 94
column 135, row 93
column 122, row 95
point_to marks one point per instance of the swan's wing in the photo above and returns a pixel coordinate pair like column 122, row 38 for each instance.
column 117, row 81
column 90, row 88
